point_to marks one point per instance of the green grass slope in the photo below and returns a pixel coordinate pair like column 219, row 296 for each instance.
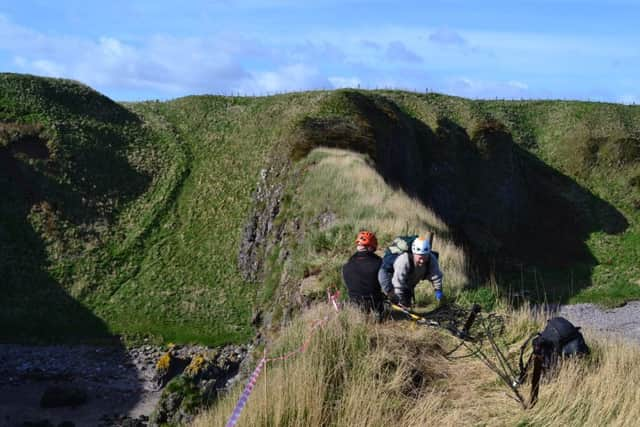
column 188, row 268
column 83, row 181
column 129, row 218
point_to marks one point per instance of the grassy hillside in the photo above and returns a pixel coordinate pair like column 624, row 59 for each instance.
column 130, row 218
column 83, row 180
column 596, row 146
column 194, row 290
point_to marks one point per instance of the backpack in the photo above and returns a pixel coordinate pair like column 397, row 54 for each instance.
column 400, row 245
column 559, row 339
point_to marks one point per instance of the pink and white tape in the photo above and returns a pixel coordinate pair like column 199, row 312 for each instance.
column 237, row 411
column 333, row 298
column 245, row 394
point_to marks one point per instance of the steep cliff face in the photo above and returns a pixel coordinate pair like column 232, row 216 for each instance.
column 260, row 233
column 503, row 204
column 492, row 192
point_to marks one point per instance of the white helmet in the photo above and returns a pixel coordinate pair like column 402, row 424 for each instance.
column 421, row 246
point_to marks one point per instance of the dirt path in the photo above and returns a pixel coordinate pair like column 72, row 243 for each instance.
column 618, row 322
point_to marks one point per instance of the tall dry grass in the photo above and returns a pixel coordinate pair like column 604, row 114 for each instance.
column 354, row 373
column 601, row 391
column 358, row 373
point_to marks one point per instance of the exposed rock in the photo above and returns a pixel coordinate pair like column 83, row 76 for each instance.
column 255, row 238
column 170, row 365
column 256, row 318
column 124, row 421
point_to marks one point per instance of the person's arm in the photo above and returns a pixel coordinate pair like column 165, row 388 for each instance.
column 344, row 277
column 435, row 274
column 384, row 278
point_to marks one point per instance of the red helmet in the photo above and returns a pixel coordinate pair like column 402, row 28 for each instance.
column 367, row 238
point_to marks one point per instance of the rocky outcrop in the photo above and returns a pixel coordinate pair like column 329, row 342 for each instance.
column 207, row 374
column 255, row 241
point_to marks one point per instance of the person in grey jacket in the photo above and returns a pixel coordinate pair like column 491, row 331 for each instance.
column 409, row 268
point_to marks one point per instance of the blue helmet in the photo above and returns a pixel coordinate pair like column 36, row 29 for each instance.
column 421, row 246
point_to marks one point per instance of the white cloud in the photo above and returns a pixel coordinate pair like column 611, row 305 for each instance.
column 486, row 89
column 518, row 85
column 288, row 78
column 312, row 51
column 492, row 63
column 172, row 66
column 20, row 62
column 48, row 68
column 370, row 45
column 342, row 82
column 113, row 50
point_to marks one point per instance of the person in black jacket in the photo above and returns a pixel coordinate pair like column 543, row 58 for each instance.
column 360, row 274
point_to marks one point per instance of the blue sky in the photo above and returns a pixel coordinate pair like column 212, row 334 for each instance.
column 143, row 49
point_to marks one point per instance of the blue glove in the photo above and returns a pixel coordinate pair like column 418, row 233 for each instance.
column 439, row 295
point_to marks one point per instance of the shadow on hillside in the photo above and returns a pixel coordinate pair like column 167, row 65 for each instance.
column 519, row 217
column 516, row 216
column 71, row 215
column 34, row 307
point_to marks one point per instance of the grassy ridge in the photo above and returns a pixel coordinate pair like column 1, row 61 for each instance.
column 134, row 214
column 339, row 194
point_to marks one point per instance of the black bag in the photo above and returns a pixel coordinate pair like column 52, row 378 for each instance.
column 559, row 339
